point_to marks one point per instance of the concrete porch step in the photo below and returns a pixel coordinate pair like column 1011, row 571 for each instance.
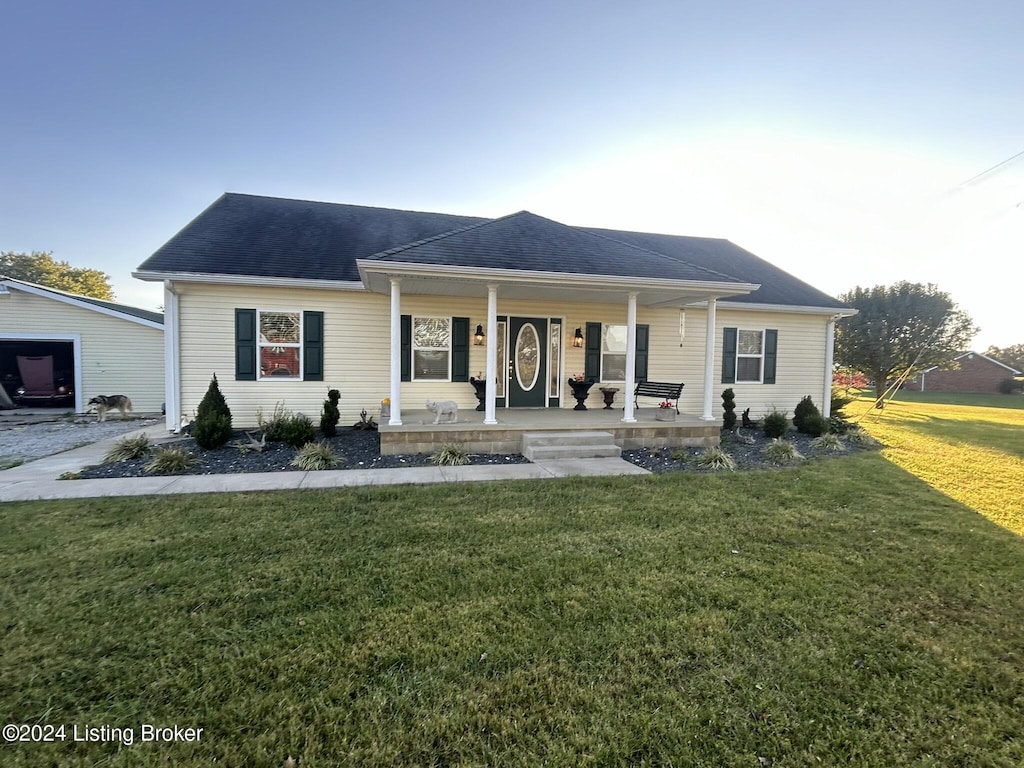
column 547, row 446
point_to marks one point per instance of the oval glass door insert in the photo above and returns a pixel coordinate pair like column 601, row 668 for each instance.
column 527, row 355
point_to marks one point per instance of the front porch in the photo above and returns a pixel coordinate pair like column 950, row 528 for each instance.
column 419, row 434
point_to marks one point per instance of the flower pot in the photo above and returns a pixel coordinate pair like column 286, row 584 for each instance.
column 665, row 414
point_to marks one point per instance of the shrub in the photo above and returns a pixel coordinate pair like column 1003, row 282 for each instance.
column 451, row 455
column 780, row 451
column 829, row 442
column 295, row 429
column 298, row 430
column 167, row 461
column 804, row 413
column 860, row 438
column 316, row 456
column 365, row 422
column 129, row 448
column 729, row 407
column 816, row 425
column 775, row 424
column 212, row 425
column 715, row 458
column 1011, row 386
column 331, row 415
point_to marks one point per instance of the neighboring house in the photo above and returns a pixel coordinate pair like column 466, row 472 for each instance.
column 969, row 372
column 284, row 299
column 76, row 347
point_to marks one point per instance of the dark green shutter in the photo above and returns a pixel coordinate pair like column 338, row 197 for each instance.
column 312, row 346
column 460, row 349
column 728, row 355
column 406, row 347
column 771, row 353
column 245, row 345
column 643, row 336
column 592, row 366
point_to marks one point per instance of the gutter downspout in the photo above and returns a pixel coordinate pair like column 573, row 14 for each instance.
column 830, row 353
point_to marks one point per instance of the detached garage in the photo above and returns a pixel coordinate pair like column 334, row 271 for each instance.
column 58, row 350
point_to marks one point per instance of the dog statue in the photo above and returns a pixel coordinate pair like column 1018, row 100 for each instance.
column 104, row 403
column 441, row 408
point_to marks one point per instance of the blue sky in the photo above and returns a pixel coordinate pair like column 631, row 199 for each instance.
column 832, row 139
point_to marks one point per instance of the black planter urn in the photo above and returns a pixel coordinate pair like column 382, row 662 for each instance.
column 480, row 387
column 580, row 390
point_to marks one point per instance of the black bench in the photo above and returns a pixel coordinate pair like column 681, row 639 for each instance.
column 661, row 389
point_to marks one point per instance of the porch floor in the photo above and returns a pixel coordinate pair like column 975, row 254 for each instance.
column 419, row 434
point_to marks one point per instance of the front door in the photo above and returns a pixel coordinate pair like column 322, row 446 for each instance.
column 527, row 362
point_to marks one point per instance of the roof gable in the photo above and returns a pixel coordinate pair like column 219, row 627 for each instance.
column 123, row 311
column 525, row 241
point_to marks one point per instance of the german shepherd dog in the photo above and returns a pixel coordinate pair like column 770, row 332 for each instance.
column 104, row 403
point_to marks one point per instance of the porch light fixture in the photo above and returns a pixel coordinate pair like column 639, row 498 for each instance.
column 478, row 337
column 577, row 340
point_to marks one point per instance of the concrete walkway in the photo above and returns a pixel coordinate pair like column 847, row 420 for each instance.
column 39, row 479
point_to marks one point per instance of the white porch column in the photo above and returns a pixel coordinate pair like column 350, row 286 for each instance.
column 709, row 361
column 627, row 413
column 830, row 353
column 491, row 375
column 396, row 352
column 172, row 360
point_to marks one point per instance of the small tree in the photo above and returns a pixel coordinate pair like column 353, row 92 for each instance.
column 331, row 415
column 729, row 407
column 212, row 426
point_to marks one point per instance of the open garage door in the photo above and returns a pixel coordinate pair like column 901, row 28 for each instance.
column 38, row 373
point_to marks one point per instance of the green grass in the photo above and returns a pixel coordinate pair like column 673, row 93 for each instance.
column 839, row 613
column 972, row 453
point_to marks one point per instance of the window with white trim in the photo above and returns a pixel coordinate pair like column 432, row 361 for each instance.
column 280, row 344
column 613, row 352
column 749, row 356
column 431, row 348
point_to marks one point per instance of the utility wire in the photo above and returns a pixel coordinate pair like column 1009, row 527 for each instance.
column 993, row 169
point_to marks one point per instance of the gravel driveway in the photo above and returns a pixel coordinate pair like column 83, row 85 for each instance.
column 26, row 438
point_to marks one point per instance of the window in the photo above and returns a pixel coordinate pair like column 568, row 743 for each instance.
column 613, row 352
column 431, row 348
column 280, row 345
column 605, row 358
column 749, row 356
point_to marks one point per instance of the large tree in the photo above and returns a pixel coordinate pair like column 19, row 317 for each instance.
column 41, row 268
column 1012, row 356
column 906, row 326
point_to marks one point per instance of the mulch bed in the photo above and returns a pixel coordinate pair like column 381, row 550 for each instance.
column 360, row 449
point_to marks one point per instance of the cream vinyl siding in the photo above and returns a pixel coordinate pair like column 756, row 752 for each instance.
column 357, row 350
column 116, row 356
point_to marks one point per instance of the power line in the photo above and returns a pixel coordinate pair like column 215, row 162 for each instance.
column 993, row 169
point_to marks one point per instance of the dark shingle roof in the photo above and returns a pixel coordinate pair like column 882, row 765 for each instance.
column 777, row 286
column 274, row 237
column 250, row 235
column 525, row 241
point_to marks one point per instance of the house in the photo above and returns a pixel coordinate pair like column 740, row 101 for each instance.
column 60, row 349
column 283, row 299
column 968, row 372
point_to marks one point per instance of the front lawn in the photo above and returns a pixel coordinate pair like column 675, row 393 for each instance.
column 841, row 613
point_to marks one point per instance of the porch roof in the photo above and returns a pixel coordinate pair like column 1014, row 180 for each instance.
column 533, row 257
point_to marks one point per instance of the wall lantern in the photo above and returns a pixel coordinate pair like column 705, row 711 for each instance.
column 577, row 340
column 478, row 337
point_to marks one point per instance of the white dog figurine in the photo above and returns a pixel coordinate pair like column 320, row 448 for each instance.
column 444, row 408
